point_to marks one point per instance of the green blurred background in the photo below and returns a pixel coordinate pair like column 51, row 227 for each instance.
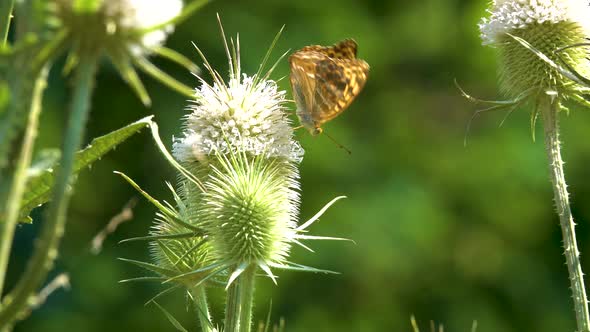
column 442, row 231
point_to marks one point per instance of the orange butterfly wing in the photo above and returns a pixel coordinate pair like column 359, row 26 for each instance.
column 325, row 81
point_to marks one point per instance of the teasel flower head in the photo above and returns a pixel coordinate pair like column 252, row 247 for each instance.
column 238, row 141
column 534, row 40
column 125, row 31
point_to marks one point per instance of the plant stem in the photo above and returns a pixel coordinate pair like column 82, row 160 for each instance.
column 199, row 295
column 53, row 226
column 549, row 110
column 246, row 284
column 240, row 298
column 6, row 7
column 20, row 175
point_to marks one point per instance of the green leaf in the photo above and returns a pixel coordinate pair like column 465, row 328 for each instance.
column 40, row 185
column 45, row 159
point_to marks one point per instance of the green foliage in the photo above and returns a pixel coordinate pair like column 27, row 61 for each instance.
column 40, row 184
column 444, row 231
column 16, row 99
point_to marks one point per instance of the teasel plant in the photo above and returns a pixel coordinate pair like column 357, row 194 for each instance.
column 127, row 32
column 542, row 53
column 235, row 215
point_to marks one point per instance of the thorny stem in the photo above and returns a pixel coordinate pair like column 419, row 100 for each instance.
column 20, row 175
column 53, row 226
column 240, row 298
column 549, row 111
column 202, row 307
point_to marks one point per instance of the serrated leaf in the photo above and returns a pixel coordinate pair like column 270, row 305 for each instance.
column 39, row 187
column 45, row 159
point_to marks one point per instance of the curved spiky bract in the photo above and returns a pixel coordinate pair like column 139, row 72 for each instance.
column 250, row 207
column 183, row 254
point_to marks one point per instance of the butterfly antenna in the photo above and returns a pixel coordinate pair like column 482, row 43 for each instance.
column 338, row 144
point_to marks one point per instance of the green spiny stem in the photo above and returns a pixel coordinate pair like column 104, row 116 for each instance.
column 199, row 295
column 246, row 284
column 240, row 299
column 549, row 111
column 232, row 309
column 20, row 175
column 6, row 7
column 22, row 69
column 53, row 226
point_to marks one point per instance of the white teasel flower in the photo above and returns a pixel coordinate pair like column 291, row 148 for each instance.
column 246, row 115
column 508, row 15
column 239, row 142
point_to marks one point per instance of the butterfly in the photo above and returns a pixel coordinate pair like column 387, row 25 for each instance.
column 325, row 80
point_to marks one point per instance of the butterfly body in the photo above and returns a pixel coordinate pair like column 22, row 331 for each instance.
column 325, row 80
